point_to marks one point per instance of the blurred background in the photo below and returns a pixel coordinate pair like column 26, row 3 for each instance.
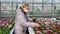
column 38, row 8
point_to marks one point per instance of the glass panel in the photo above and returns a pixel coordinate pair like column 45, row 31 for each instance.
column 6, row 1
column 47, row 1
column 47, row 8
column 7, row 13
column 19, row 5
column 57, row 1
column 14, row 6
column 6, row 6
column 57, row 6
column 37, row 9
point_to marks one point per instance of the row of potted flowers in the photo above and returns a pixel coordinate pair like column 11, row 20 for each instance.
column 47, row 26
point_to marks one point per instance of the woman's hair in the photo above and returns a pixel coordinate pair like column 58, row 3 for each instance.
column 24, row 5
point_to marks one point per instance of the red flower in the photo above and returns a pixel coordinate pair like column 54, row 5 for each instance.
column 45, row 31
column 1, row 20
column 58, row 30
column 37, row 29
column 58, row 23
column 4, row 22
column 38, row 32
column 55, row 33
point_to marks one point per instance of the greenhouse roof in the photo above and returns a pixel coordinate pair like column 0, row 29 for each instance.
column 30, row 1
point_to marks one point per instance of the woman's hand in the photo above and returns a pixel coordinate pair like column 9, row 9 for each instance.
column 30, row 19
column 37, row 25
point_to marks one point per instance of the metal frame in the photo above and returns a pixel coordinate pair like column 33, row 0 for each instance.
column 25, row 1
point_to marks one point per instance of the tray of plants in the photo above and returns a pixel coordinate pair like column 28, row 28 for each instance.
column 47, row 26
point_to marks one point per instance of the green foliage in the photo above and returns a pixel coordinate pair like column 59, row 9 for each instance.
column 6, row 29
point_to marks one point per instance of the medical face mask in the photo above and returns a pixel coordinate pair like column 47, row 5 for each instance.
column 26, row 10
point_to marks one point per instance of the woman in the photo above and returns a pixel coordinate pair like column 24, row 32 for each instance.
column 22, row 21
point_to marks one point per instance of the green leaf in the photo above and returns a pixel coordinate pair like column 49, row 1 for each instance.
column 55, row 30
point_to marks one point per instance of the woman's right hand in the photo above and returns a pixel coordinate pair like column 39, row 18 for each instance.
column 37, row 25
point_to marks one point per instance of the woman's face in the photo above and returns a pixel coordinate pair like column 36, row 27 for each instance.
column 26, row 9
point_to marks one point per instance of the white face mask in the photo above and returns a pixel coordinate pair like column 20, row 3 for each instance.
column 26, row 10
